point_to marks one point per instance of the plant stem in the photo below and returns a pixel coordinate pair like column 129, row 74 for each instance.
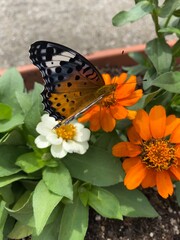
column 156, row 24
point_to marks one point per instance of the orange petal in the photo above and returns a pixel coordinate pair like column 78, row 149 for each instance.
column 175, row 171
column 164, row 184
column 141, row 124
column 131, row 99
column 129, row 163
column 135, row 176
column 177, row 151
column 108, row 123
column 157, row 121
column 126, row 149
column 118, row 112
column 175, row 136
column 150, row 179
column 125, row 90
column 134, row 136
column 87, row 115
column 171, row 123
column 106, row 78
column 120, row 79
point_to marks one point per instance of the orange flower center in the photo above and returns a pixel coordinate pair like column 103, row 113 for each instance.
column 67, row 132
column 108, row 101
column 158, row 154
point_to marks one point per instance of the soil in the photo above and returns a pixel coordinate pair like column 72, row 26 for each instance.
column 166, row 226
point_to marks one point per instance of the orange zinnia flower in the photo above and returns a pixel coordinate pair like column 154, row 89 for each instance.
column 112, row 107
column 153, row 151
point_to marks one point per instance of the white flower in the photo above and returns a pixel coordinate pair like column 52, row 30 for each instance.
column 70, row 138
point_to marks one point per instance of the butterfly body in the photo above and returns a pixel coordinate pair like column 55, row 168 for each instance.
column 72, row 83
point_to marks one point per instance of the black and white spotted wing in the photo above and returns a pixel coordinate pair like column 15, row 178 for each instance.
column 71, row 81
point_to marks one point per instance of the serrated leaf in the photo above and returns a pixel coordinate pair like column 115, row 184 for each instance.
column 141, row 9
column 44, row 202
column 132, row 202
column 74, row 221
column 105, row 203
column 97, row 166
column 58, row 180
column 160, row 55
column 168, row 81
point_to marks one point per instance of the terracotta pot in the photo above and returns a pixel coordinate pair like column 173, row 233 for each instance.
column 111, row 57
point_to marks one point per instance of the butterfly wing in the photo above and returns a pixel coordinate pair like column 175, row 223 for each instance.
column 71, row 81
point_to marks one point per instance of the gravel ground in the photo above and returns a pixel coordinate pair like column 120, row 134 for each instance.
column 82, row 25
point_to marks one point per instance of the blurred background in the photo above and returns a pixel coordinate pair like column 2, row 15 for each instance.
column 86, row 26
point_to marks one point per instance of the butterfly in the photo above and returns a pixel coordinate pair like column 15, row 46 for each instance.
column 72, row 84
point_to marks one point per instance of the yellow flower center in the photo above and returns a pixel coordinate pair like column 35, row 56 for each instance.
column 67, row 132
column 158, row 154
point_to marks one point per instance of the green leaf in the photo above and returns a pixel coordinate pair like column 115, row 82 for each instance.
column 168, row 81
column 7, row 194
column 138, row 11
column 11, row 82
column 23, row 210
column 170, row 30
column 27, row 99
column 12, row 178
column 105, row 203
column 107, row 140
column 51, row 230
column 176, row 49
column 58, row 180
column 74, row 221
column 160, row 55
column 138, row 57
column 20, row 231
column 168, row 7
column 132, row 202
column 15, row 137
column 177, row 192
column 32, row 118
column 8, row 156
column 44, row 202
column 14, row 121
column 5, row 111
column 97, row 166
column 29, row 162
column 3, row 217
column 135, row 70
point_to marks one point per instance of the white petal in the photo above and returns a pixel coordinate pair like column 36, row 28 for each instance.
column 41, row 142
column 72, row 146
column 43, row 129
column 82, row 135
column 78, row 125
column 53, row 139
column 50, row 122
column 57, row 151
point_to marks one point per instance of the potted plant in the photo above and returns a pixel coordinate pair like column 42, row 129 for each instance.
column 50, row 177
